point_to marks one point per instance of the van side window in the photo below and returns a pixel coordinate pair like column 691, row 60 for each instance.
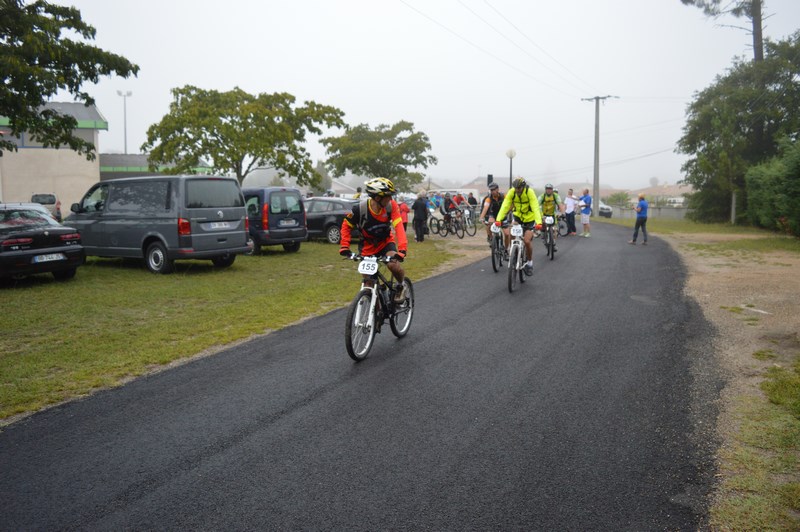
column 253, row 207
column 147, row 197
column 95, row 200
column 213, row 193
column 284, row 203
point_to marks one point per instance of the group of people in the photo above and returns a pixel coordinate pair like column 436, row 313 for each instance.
column 381, row 221
column 523, row 207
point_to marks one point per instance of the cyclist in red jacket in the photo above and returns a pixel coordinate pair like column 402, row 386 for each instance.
column 375, row 218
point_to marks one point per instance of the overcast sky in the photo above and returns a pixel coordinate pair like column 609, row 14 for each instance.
column 479, row 77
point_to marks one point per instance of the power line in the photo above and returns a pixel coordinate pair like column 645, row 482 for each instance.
column 490, row 54
column 539, row 47
column 504, row 36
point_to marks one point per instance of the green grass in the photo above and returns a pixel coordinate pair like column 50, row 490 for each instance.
column 115, row 320
column 668, row 226
column 762, row 488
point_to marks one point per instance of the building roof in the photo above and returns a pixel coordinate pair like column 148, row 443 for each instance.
column 114, row 165
column 88, row 117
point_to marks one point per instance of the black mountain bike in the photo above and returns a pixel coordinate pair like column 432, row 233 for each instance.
column 373, row 305
column 548, row 234
column 499, row 253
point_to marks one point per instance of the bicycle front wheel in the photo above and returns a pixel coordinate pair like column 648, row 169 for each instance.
column 400, row 321
column 358, row 333
column 459, row 229
column 551, row 246
column 472, row 227
column 497, row 254
column 513, row 258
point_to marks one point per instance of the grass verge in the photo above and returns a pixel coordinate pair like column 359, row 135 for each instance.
column 761, row 490
column 115, row 320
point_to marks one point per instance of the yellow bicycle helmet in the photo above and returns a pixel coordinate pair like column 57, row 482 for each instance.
column 379, row 187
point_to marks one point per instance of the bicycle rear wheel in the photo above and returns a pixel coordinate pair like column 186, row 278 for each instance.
column 400, row 321
column 562, row 227
column 433, row 225
column 512, row 267
column 358, row 334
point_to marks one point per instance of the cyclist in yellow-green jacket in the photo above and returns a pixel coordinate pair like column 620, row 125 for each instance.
column 526, row 213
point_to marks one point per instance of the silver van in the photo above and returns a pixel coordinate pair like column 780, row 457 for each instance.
column 163, row 218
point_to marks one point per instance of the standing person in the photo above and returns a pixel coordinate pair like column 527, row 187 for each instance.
column 522, row 200
column 374, row 218
column 641, row 220
column 420, row 210
column 586, row 211
column 404, row 210
column 473, row 201
column 357, row 195
column 571, row 203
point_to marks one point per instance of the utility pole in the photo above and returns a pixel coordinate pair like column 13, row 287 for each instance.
column 596, row 185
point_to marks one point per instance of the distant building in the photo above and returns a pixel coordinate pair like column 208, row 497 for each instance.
column 35, row 169
column 116, row 165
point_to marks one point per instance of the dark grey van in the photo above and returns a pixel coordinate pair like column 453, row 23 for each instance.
column 277, row 217
column 163, row 218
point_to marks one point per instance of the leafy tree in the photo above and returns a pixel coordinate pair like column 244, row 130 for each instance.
column 721, row 134
column 36, row 61
column 773, row 188
column 325, row 182
column 237, row 132
column 618, row 198
column 750, row 9
column 386, row 151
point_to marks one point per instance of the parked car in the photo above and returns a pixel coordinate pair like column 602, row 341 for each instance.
column 324, row 217
column 277, row 217
column 163, row 218
column 32, row 241
column 604, row 210
column 50, row 202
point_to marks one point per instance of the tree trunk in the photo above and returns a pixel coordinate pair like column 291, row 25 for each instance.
column 733, row 207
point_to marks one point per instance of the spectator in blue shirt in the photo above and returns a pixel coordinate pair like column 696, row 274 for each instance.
column 585, row 204
column 641, row 220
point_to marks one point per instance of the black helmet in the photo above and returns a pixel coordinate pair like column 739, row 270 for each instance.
column 493, row 186
column 519, row 183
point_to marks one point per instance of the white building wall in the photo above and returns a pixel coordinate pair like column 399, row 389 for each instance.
column 44, row 170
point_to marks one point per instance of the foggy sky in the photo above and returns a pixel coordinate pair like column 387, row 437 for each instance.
column 477, row 76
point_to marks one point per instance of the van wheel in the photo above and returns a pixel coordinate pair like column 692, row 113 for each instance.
column 333, row 234
column 156, row 259
column 224, row 261
column 292, row 247
column 255, row 249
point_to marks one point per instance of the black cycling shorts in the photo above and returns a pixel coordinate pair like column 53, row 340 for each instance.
column 526, row 226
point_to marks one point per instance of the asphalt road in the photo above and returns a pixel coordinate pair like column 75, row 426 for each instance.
column 582, row 401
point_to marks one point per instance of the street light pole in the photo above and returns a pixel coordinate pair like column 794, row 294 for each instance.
column 510, row 154
column 125, row 115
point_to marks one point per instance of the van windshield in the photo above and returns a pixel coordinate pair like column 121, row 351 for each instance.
column 212, row 193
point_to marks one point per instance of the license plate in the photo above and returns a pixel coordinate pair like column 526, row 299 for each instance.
column 49, row 257
column 220, row 225
column 287, row 223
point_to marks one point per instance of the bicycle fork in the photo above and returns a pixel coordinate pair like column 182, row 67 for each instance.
column 372, row 313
